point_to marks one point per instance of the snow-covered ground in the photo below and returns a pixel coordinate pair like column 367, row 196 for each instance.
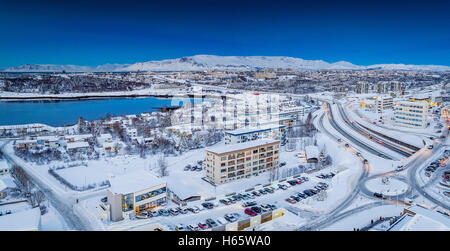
column 393, row 187
column 362, row 219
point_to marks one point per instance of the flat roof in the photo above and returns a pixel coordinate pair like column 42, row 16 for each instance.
column 312, row 152
column 26, row 220
column 423, row 220
column 134, row 182
column 73, row 145
column 242, row 131
column 240, row 146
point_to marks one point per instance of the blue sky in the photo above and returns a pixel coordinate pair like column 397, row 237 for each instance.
column 92, row 33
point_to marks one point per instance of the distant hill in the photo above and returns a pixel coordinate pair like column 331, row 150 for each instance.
column 209, row 62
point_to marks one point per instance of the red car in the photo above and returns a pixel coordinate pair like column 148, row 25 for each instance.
column 202, row 226
column 291, row 201
column 250, row 212
column 298, row 182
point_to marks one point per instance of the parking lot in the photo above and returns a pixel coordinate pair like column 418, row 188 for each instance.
column 204, row 215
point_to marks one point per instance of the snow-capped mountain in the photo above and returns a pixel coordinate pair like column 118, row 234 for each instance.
column 209, row 62
column 67, row 68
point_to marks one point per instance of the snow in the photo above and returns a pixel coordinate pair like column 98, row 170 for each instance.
column 423, row 220
column 312, row 152
column 74, row 145
column 27, row 220
column 134, row 182
column 362, row 219
column 240, row 146
column 207, row 62
column 6, row 182
column 393, row 188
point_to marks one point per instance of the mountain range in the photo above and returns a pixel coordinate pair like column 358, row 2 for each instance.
column 209, row 62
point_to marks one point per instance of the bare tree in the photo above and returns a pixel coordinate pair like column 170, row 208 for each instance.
column 162, row 165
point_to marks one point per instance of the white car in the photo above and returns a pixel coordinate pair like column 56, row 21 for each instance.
column 222, row 221
column 181, row 227
column 193, row 228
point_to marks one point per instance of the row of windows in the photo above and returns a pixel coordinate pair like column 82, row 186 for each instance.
column 410, row 115
column 410, row 119
column 150, row 194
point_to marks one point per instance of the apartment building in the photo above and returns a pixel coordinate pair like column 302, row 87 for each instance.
column 134, row 192
column 382, row 103
column 382, row 87
column 248, row 134
column 411, row 114
column 237, row 161
column 362, row 87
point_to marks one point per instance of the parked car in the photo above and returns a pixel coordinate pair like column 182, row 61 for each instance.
column 211, row 222
column 142, row 215
column 291, row 201
column 104, row 199
column 262, row 191
column 249, row 203
column 203, row 226
column 181, row 227
column 250, row 212
column 284, row 187
column 221, row 221
column 282, row 164
column 154, row 213
column 232, row 217
column 307, row 192
column 163, row 212
column 182, row 210
column 207, row 205
column 173, row 211
column 379, row 195
column 193, row 228
column 430, row 147
column 256, row 193
column 256, row 209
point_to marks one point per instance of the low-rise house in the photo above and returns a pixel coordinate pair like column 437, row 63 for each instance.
column 75, row 147
column 103, row 138
column 7, row 185
column 132, row 133
column 312, row 154
column 26, row 143
column 135, row 192
column 25, row 220
column 78, row 138
column 418, row 218
column 49, row 141
column 4, row 167
column 114, row 146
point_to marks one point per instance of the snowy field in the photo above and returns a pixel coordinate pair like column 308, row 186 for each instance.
column 363, row 218
column 393, row 187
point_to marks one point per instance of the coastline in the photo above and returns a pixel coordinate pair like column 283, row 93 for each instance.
column 94, row 96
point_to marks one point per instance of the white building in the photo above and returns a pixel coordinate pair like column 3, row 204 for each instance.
column 249, row 134
column 134, row 192
column 417, row 218
column 25, row 220
column 382, row 103
column 4, row 167
column 411, row 114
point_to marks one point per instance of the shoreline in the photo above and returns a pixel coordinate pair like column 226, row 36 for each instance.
column 100, row 96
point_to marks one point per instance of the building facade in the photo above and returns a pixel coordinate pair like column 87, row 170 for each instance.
column 411, row 114
column 233, row 162
column 132, row 193
column 382, row 103
column 248, row 134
